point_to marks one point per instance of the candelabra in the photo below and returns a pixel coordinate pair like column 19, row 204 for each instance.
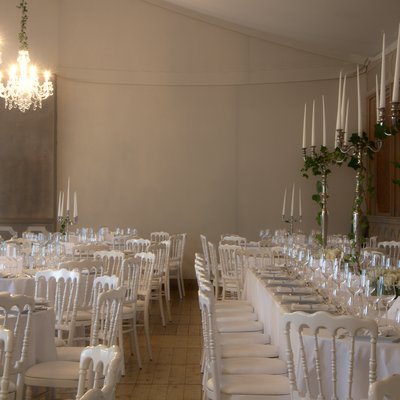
column 358, row 147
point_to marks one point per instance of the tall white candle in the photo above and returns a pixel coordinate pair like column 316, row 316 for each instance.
column 346, row 124
column 323, row 123
column 59, row 205
column 313, row 125
column 304, row 125
column 383, row 76
column 62, row 204
column 339, row 107
column 300, row 211
column 359, row 103
column 292, row 206
column 395, row 96
column 377, row 96
column 68, row 194
column 75, row 205
column 284, row 202
column 343, row 103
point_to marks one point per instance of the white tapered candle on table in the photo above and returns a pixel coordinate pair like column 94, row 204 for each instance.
column 284, row 202
column 382, row 98
column 292, row 206
column 68, row 185
column 62, row 204
column 59, row 205
column 359, row 124
column 304, row 125
column 346, row 123
column 395, row 96
column 343, row 103
column 300, row 211
column 323, row 123
column 339, row 107
column 377, row 96
column 75, row 205
column 313, row 124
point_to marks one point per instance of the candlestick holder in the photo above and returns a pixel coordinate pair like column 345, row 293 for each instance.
column 291, row 221
column 394, row 116
column 319, row 163
column 65, row 222
column 357, row 148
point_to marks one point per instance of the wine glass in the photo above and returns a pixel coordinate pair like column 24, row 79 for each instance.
column 386, row 293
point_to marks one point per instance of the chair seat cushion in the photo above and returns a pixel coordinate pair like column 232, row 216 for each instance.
column 69, row 353
column 259, row 384
column 253, row 365
column 53, row 374
column 240, row 326
column 224, row 317
column 232, row 306
column 83, row 315
column 243, row 338
column 249, row 350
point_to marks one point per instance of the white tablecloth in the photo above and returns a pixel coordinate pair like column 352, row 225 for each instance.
column 270, row 313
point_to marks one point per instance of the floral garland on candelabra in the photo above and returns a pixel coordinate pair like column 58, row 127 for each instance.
column 319, row 164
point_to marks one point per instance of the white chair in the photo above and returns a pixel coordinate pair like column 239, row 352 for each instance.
column 16, row 315
column 318, row 327
column 131, row 272
column 146, row 262
column 175, row 263
column 93, row 394
column 112, row 260
column 232, row 273
column 6, row 350
column 61, row 291
column 218, row 385
column 67, row 373
column 9, row 231
column 392, row 249
column 159, row 236
column 137, row 245
column 215, row 269
column 385, row 389
column 99, row 369
column 206, row 255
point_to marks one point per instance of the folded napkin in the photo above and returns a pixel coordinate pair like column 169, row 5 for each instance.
column 306, row 299
column 274, row 276
column 287, row 282
column 293, row 290
column 313, row 307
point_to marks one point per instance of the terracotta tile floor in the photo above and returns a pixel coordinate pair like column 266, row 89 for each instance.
column 174, row 372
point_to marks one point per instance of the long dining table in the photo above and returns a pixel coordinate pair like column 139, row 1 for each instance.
column 270, row 311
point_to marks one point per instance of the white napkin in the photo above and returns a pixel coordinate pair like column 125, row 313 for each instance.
column 393, row 308
column 287, row 282
column 294, row 290
column 313, row 307
column 306, row 299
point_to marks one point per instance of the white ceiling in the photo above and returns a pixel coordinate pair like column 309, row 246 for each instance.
column 346, row 29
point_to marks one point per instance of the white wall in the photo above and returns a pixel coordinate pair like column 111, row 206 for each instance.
column 167, row 121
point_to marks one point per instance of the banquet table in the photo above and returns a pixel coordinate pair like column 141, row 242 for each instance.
column 270, row 312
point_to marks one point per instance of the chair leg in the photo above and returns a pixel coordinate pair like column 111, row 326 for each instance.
column 28, row 393
column 160, row 302
column 178, row 281
column 168, row 307
column 182, row 282
column 147, row 328
column 136, row 343
column 121, row 346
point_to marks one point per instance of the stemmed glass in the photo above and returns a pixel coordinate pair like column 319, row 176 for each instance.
column 386, row 294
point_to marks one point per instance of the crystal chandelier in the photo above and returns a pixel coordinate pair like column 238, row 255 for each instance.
column 23, row 88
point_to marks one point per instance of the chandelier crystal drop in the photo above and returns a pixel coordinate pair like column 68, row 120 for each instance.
column 23, row 88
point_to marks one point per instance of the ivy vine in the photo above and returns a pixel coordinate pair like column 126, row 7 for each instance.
column 22, row 35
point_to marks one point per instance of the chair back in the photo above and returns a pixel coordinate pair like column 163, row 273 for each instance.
column 131, row 278
column 16, row 316
column 177, row 248
column 112, row 260
column 159, row 236
column 318, row 339
column 137, row 245
column 392, row 249
column 145, row 261
column 206, row 254
column 61, row 290
column 99, row 368
column 232, row 273
column 215, row 273
column 106, row 316
column 6, row 350
column 385, row 389
column 161, row 251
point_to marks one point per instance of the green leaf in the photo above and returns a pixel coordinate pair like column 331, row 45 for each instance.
column 316, row 198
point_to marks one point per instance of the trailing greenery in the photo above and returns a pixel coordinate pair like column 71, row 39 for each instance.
column 22, row 35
